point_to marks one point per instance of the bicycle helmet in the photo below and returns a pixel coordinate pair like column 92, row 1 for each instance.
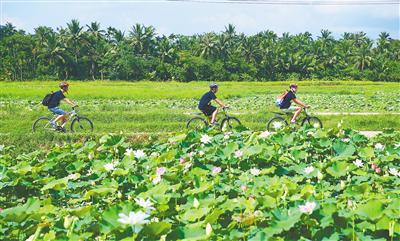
column 63, row 85
column 293, row 85
column 213, row 85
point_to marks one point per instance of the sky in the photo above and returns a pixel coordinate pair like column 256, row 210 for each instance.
column 193, row 17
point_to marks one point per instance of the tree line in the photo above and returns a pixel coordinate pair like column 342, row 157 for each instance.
column 90, row 52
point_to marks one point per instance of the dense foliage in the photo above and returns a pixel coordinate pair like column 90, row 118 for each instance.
column 89, row 52
column 305, row 185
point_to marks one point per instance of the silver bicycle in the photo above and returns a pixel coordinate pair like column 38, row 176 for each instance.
column 78, row 123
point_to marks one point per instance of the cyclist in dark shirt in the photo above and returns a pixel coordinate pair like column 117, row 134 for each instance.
column 54, row 105
column 205, row 103
column 287, row 102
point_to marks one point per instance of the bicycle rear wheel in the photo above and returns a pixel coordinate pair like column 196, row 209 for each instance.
column 42, row 124
column 230, row 123
column 196, row 123
column 81, row 124
column 313, row 122
column 276, row 123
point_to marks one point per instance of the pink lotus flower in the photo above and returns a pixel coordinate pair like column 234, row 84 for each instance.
column 182, row 160
column 238, row 154
column 308, row 207
column 243, row 188
column 160, row 171
column 378, row 170
column 374, row 166
column 216, row 170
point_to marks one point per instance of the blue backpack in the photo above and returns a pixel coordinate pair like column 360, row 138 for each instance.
column 279, row 99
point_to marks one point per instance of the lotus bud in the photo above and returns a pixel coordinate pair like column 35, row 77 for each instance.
column 68, row 221
column 196, row 203
column 342, row 184
column 320, row 176
column 208, row 229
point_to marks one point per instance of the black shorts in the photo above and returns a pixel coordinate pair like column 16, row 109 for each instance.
column 208, row 110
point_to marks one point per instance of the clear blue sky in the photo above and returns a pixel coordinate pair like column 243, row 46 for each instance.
column 190, row 18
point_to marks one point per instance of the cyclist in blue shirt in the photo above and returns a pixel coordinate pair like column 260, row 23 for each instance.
column 286, row 103
column 54, row 106
column 205, row 103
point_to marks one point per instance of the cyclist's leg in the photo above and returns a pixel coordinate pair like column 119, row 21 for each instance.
column 297, row 111
column 210, row 112
column 214, row 114
column 61, row 115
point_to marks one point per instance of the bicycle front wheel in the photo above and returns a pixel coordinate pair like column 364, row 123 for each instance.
column 313, row 122
column 196, row 123
column 81, row 124
column 42, row 124
column 276, row 123
column 230, row 123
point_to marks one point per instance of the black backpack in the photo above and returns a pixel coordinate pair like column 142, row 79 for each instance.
column 46, row 100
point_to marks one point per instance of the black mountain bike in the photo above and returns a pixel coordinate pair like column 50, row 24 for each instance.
column 227, row 123
column 78, row 123
column 279, row 121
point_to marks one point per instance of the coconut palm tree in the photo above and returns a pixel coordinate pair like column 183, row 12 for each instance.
column 363, row 56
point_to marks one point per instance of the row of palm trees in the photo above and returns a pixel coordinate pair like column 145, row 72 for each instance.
column 90, row 52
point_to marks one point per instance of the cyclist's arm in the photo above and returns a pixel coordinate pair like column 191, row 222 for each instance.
column 220, row 103
column 70, row 102
column 300, row 103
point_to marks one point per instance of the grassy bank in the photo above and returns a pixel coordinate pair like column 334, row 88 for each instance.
column 157, row 108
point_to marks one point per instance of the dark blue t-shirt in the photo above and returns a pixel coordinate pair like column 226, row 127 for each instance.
column 206, row 99
column 56, row 98
column 287, row 100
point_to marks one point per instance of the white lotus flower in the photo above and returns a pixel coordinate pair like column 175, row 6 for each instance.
column 277, row 125
column 308, row 170
column 238, row 154
column 208, row 229
column 196, row 203
column 73, row 176
column 157, row 179
column 346, row 140
column 205, row 139
column 255, row 171
column 146, row 204
column 136, row 220
column 129, row 152
column 109, row 167
column 226, row 136
column 31, row 238
column 201, row 153
column 379, row 146
column 264, row 134
column 394, row 172
column 358, row 163
column 308, row 207
column 139, row 154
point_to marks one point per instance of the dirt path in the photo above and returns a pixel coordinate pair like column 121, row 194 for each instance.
column 355, row 113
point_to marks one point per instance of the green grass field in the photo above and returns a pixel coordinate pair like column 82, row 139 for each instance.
column 145, row 109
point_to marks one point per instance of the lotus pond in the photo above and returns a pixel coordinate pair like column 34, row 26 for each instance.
column 306, row 185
